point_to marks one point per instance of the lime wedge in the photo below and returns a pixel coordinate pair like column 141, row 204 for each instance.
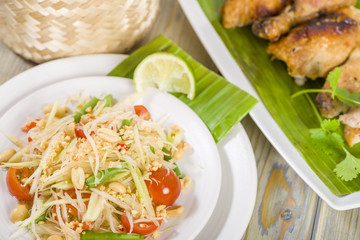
column 167, row 72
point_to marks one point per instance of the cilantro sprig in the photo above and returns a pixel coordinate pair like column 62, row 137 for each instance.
column 349, row 99
column 329, row 138
column 349, row 168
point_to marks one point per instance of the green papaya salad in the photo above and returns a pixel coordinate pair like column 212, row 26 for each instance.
column 102, row 171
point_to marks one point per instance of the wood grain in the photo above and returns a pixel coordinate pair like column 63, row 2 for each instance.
column 286, row 208
column 11, row 64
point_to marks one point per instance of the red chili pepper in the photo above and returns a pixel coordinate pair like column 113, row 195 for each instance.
column 122, row 146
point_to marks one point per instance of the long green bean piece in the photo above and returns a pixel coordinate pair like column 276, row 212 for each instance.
column 91, row 235
column 92, row 103
column 108, row 99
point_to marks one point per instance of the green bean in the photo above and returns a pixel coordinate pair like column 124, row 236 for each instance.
column 108, row 99
column 103, row 176
column 91, row 235
column 92, row 103
column 42, row 217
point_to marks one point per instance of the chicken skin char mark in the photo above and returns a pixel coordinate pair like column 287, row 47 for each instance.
column 313, row 49
column 238, row 13
column 299, row 12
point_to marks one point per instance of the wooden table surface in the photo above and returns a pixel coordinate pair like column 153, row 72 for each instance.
column 285, row 208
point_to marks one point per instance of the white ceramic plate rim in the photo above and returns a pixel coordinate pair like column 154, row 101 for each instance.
column 202, row 162
column 235, row 150
column 231, row 71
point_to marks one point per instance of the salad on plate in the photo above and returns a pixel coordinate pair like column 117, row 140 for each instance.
column 102, row 171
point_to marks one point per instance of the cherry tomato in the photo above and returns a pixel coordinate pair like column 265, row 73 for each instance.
column 164, row 186
column 142, row 112
column 142, row 228
column 72, row 212
column 79, row 132
column 28, row 126
column 13, row 181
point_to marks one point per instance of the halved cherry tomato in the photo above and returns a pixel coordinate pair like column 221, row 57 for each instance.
column 28, row 126
column 142, row 228
column 13, row 181
column 72, row 212
column 164, row 186
column 142, row 112
column 79, row 131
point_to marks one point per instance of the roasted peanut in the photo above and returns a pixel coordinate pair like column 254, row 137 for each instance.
column 117, row 187
column 180, row 151
column 78, row 177
column 20, row 213
column 156, row 234
column 70, row 130
column 47, row 108
column 6, row 155
column 174, row 211
column 61, row 111
column 54, row 237
column 88, row 110
column 160, row 211
column 185, row 182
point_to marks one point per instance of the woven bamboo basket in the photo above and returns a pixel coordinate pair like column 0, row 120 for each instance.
column 41, row 30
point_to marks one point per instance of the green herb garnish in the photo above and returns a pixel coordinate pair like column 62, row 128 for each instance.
column 329, row 138
column 126, row 122
column 349, row 99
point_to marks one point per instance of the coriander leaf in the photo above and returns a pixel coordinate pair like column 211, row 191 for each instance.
column 328, row 138
column 349, row 99
column 349, row 168
column 327, row 143
column 330, row 125
column 333, row 78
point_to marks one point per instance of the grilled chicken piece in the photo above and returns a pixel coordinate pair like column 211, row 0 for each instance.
column 313, row 49
column 352, row 135
column 301, row 10
column 349, row 80
column 238, row 13
column 351, row 120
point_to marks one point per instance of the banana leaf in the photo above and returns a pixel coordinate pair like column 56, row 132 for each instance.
column 220, row 104
column 295, row 116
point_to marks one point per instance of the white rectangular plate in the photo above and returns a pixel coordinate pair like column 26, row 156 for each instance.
column 232, row 72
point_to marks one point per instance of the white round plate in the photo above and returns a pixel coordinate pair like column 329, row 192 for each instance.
column 239, row 177
column 202, row 162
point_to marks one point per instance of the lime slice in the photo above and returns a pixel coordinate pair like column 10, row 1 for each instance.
column 167, row 72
